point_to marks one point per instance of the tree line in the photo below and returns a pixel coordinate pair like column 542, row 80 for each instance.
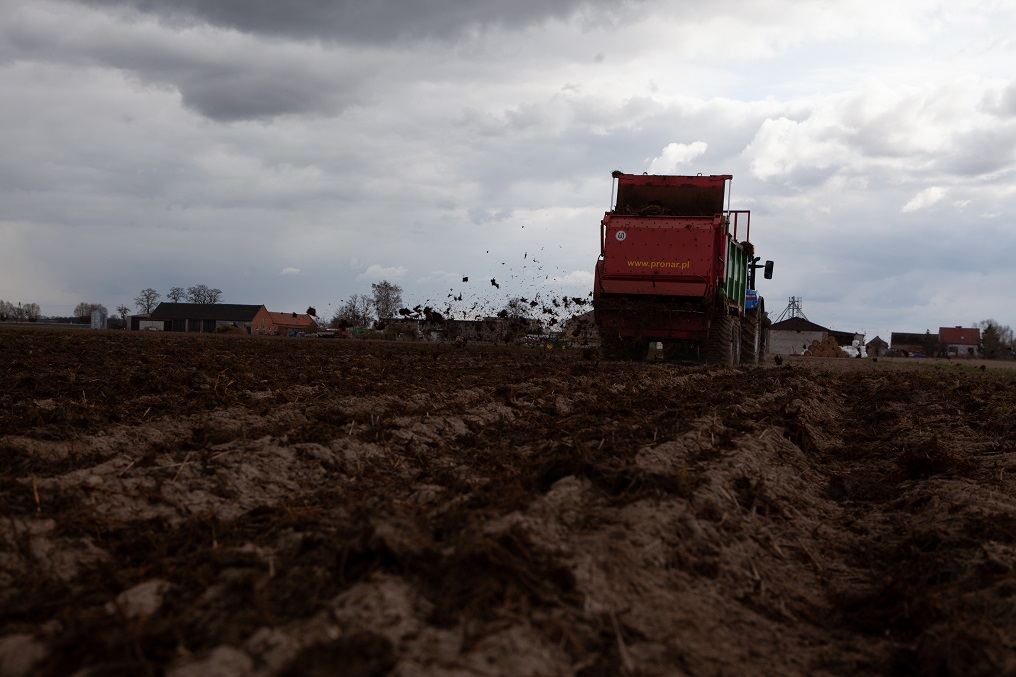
column 385, row 304
column 83, row 311
column 20, row 312
column 148, row 299
column 362, row 310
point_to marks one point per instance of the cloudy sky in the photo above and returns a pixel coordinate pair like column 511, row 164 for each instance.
column 292, row 153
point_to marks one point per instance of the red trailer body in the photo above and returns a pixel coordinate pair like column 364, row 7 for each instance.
column 674, row 265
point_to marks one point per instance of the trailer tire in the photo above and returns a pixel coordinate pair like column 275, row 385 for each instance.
column 611, row 347
column 724, row 343
column 750, row 337
column 637, row 349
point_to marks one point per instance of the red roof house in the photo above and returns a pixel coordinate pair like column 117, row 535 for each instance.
column 281, row 324
column 960, row 341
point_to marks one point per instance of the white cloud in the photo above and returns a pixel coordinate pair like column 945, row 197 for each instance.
column 442, row 277
column 378, row 273
column 581, row 279
column 290, row 271
column 676, row 156
column 782, row 146
column 924, row 199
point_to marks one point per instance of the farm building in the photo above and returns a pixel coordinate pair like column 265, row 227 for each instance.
column 876, row 347
column 281, row 324
column 959, row 341
column 408, row 328
column 912, row 345
column 204, row 317
column 795, row 335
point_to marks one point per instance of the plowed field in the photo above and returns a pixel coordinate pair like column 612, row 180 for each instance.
column 218, row 505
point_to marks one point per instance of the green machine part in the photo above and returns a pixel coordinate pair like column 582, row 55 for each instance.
column 736, row 284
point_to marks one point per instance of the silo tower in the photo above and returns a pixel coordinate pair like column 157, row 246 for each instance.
column 793, row 309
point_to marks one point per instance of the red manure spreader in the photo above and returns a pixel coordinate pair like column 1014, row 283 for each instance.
column 677, row 267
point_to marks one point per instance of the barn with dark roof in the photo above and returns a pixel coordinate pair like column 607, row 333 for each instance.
column 207, row 317
column 793, row 336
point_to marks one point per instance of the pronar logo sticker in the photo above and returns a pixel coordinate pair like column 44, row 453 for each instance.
column 680, row 265
column 621, row 235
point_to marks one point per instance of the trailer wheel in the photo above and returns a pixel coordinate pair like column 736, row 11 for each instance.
column 611, row 347
column 637, row 349
column 724, row 343
column 750, row 337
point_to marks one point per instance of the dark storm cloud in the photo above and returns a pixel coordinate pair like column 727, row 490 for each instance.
column 224, row 80
column 357, row 20
column 228, row 92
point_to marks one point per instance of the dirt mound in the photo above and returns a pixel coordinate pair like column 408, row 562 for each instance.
column 216, row 504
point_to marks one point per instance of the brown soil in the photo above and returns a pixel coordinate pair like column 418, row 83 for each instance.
column 196, row 505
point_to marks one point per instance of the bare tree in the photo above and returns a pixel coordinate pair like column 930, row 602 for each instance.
column 83, row 311
column 146, row 301
column 202, row 293
column 31, row 311
column 124, row 311
column 19, row 312
column 517, row 308
column 176, row 294
column 196, row 294
column 517, row 319
column 387, row 299
column 356, row 312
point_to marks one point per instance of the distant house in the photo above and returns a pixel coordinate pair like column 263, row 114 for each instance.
column 902, row 343
column 205, row 317
column 281, row 324
column 143, row 323
column 793, row 336
column 876, row 347
column 960, row 341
